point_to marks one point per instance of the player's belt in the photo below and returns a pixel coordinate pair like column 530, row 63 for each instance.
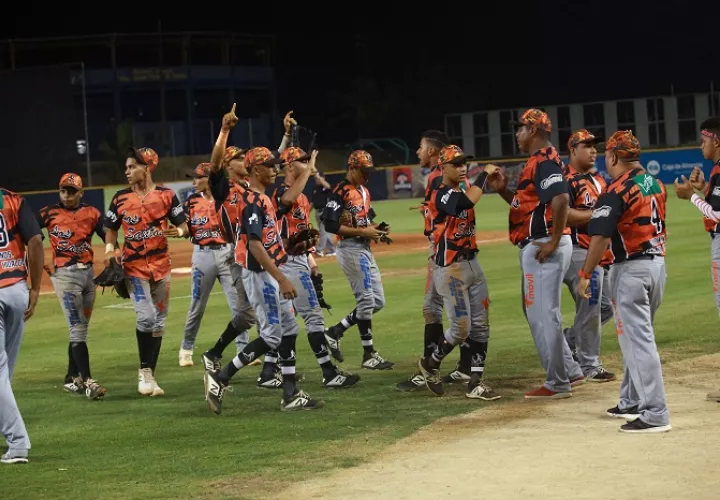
column 213, row 246
column 75, row 266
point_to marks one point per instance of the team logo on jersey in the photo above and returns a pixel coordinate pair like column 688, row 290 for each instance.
column 298, row 213
column 111, row 215
column 269, row 221
column 199, row 221
column 716, row 191
column 332, row 205
column 589, row 200
column 553, row 179
column 131, row 219
column 234, row 199
column 603, row 211
column 64, row 234
column 515, row 203
column 253, row 219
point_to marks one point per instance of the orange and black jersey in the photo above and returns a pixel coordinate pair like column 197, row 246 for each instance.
column 531, row 210
column 228, row 203
column 71, row 232
column 203, row 221
column 354, row 199
column 145, row 251
column 632, row 214
column 434, row 180
column 453, row 225
column 712, row 196
column 294, row 218
column 258, row 222
column 584, row 189
column 18, row 225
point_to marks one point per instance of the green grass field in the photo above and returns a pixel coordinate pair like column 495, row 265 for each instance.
column 129, row 446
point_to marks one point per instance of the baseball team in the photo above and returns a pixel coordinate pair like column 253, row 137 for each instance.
column 605, row 242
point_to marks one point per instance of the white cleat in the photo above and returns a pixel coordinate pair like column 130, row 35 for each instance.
column 145, row 382
column 185, row 357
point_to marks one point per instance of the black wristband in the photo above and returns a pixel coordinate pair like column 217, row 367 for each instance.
column 480, row 180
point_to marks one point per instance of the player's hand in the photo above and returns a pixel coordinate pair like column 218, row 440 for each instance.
column 497, row 180
column 289, row 121
column 229, row 120
column 287, row 289
column 384, row 227
column 311, row 164
column 372, row 232
column 683, row 191
column 544, row 251
column 315, row 270
column 583, row 288
column 172, row 231
column 491, row 169
column 32, row 302
column 113, row 254
column 697, row 179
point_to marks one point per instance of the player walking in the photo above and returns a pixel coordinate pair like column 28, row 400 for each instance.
column 355, row 257
column 538, row 216
column 70, row 225
column 141, row 210
column 710, row 205
column 457, row 275
column 585, row 186
column 259, row 250
column 18, row 229
column 630, row 217
column 211, row 259
column 293, row 212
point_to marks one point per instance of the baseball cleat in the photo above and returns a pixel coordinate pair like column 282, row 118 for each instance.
column 157, row 390
column 12, row 458
column 341, row 379
column 415, row 381
column 628, row 413
column 76, row 386
column 273, row 381
column 300, row 401
column 185, row 357
column 145, row 381
column 577, row 381
column 433, row 381
column 456, row 376
column 93, row 390
column 210, row 362
column 601, row 375
column 479, row 390
column 545, row 393
column 214, row 391
column 332, row 338
column 638, row 426
column 375, row 362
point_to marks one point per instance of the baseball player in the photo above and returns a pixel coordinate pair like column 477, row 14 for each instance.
column 630, row 217
column 585, row 186
column 211, row 260
column 457, row 275
column 709, row 204
column 18, row 229
column 356, row 260
column 538, row 216
column 321, row 191
column 141, row 210
column 259, row 250
column 293, row 212
column 70, row 225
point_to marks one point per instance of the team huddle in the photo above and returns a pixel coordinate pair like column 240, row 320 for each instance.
column 605, row 242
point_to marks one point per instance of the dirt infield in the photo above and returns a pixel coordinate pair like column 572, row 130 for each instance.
column 561, row 449
column 181, row 251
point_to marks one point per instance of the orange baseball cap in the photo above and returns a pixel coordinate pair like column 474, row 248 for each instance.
column 454, row 155
column 260, row 156
column 71, row 180
column 144, row 156
column 583, row 136
column 534, row 118
column 232, row 153
column 292, row 154
column 361, row 159
column 202, row 170
column 624, row 144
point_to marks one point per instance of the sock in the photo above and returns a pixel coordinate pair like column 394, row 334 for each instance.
column 82, row 359
column 72, row 367
column 478, row 352
column 156, row 343
column 347, row 322
column 365, row 327
column 322, row 354
column 287, row 354
column 465, row 356
column 225, row 340
column 145, row 348
column 270, row 364
column 441, row 351
column 433, row 336
column 253, row 350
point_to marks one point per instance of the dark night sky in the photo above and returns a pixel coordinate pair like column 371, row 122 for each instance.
column 407, row 75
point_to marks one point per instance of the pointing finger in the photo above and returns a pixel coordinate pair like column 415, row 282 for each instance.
column 233, row 109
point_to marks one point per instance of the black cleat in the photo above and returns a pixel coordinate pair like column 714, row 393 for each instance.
column 433, row 381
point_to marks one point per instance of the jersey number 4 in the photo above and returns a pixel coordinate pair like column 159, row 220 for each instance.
column 655, row 216
column 4, row 238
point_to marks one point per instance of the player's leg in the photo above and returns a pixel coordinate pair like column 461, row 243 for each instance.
column 204, row 272
column 715, row 268
column 542, row 294
column 479, row 335
column 347, row 256
column 640, row 290
column 63, row 286
column 223, row 260
column 146, row 318
column 243, row 318
column 452, row 284
column 93, row 390
column 371, row 357
column 13, row 301
column 570, row 280
column 160, row 293
column 587, row 329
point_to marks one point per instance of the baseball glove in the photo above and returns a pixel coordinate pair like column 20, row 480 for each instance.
column 317, row 281
column 113, row 276
column 302, row 241
column 347, row 218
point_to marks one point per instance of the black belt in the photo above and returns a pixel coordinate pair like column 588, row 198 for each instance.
column 465, row 256
column 213, row 246
column 643, row 256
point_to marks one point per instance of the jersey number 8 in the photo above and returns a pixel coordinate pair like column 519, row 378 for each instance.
column 4, row 238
